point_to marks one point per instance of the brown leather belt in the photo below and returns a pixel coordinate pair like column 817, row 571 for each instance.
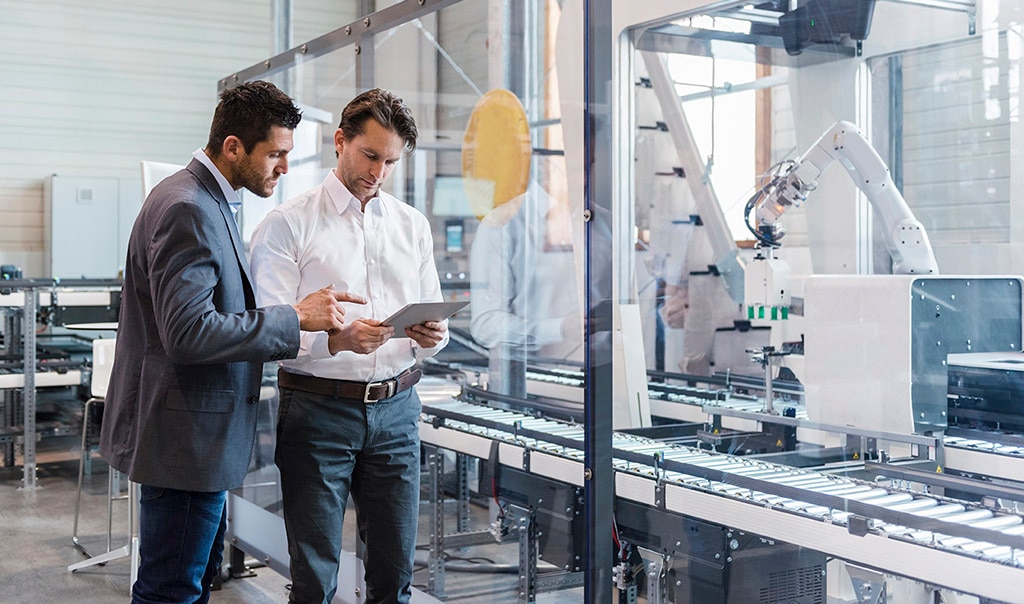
column 368, row 392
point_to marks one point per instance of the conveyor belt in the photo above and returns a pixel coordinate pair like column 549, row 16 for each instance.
column 684, row 402
column 984, row 457
column 985, row 446
column 944, row 542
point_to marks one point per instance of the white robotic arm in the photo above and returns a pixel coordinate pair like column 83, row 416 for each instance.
column 905, row 237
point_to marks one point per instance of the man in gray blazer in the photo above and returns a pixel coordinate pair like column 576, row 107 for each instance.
column 180, row 413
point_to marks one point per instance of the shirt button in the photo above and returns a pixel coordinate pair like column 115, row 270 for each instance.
column 373, row 261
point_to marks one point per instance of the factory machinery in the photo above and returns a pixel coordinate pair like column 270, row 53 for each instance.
column 697, row 526
column 42, row 323
column 887, row 475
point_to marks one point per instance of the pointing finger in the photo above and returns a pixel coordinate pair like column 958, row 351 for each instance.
column 349, row 297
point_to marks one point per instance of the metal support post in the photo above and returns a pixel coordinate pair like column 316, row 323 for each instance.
column 435, row 561
column 462, row 491
column 530, row 582
column 29, row 389
column 655, row 568
column 767, row 356
column 10, row 403
column 236, row 563
column 12, row 341
column 438, row 539
column 628, row 593
column 527, row 554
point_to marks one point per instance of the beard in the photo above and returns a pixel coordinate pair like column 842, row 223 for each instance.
column 358, row 187
column 253, row 178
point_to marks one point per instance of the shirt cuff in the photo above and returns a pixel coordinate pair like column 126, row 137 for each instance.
column 318, row 348
column 549, row 331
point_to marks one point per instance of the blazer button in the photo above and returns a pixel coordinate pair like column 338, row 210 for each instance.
column 254, row 399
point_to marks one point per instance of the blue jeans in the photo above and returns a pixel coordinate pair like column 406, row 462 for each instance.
column 181, row 545
column 328, row 448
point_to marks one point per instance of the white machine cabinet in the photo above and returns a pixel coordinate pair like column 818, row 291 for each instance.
column 876, row 346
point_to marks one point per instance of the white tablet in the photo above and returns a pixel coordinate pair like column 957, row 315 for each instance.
column 414, row 314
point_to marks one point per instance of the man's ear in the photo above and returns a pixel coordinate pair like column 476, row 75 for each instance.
column 339, row 140
column 232, row 148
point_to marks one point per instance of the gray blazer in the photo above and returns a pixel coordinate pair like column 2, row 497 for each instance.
column 181, row 406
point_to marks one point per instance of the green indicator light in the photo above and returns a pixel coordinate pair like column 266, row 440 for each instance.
column 785, row 313
column 750, row 312
column 775, row 313
column 812, row 22
column 760, row 312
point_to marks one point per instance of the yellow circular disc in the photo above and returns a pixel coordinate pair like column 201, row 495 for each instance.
column 496, row 152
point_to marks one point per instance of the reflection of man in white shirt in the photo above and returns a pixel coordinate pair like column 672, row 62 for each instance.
column 347, row 423
column 523, row 279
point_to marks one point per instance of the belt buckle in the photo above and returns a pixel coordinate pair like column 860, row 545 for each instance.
column 391, row 384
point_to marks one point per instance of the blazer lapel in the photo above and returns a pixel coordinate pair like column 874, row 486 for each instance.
column 212, row 187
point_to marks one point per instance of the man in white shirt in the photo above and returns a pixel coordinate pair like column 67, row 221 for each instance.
column 348, row 421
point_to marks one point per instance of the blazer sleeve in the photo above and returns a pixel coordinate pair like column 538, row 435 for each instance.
column 198, row 292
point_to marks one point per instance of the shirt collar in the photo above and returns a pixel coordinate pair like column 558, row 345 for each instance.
column 231, row 195
column 344, row 200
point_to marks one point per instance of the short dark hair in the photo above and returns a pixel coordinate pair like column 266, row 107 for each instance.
column 383, row 106
column 247, row 111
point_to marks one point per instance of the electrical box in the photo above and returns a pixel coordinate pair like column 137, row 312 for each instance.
column 87, row 222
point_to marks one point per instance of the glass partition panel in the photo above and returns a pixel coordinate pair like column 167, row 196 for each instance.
column 320, row 86
column 946, row 114
column 824, row 267
column 489, row 174
column 758, row 260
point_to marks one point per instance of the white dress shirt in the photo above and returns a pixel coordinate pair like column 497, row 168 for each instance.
column 386, row 255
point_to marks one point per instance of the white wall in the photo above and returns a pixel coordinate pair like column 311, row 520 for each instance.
column 91, row 88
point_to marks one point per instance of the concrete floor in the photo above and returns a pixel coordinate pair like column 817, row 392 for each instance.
column 36, row 547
